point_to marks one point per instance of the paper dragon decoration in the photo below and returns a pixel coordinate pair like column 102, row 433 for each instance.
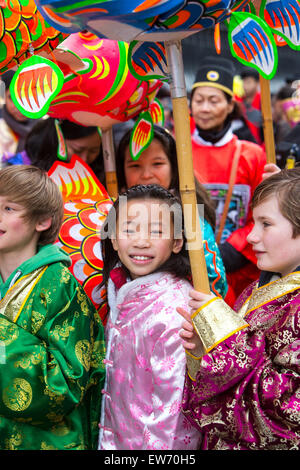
column 150, row 26
column 102, row 91
column 86, row 205
column 253, row 28
column 154, row 29
column 23, row 31
column 89, row 83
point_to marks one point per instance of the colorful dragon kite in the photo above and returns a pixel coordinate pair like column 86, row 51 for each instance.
column 86, row 206
column 87, row 81
column 253, row 27
column 23, row 31
column 155, row 26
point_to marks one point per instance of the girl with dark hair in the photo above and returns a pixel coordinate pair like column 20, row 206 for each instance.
column 42, row 143
column 158, row 165
column 146, row 265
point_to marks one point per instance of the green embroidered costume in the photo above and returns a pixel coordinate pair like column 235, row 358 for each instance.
column 51, row 353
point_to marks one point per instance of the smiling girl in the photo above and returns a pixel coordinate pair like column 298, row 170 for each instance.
column 158, row 165
column 146, row 266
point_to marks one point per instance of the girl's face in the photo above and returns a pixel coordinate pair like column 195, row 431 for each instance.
column 145, row 236
column 271, row 237
column 153, row 167
column 210, row 108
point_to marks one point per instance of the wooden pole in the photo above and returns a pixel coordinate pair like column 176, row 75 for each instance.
column 266, row 109
column 109, row 163
column 185, row 166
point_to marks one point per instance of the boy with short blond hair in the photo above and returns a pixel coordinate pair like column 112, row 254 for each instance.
column 51, row 370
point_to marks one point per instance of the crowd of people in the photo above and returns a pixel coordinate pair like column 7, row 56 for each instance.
column 173, row 368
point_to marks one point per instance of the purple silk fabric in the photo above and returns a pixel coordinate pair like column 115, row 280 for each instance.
column 247, row 391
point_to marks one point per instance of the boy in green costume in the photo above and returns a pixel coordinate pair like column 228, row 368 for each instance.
column 51, row 337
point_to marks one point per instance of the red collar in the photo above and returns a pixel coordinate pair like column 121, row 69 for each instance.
column 118, row 277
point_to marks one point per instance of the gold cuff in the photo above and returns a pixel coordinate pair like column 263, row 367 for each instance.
column 215, row 321
column 193, row 365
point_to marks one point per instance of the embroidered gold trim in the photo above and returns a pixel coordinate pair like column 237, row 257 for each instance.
column 14, row 300
column 215, row 321
column 193, row 365
column 226, row 337
column 269, row 292
column 203, row 306
column 197, row 358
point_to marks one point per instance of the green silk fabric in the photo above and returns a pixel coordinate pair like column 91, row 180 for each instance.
column 51, row 365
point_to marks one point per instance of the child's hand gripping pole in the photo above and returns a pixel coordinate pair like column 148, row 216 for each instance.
column 191, row 341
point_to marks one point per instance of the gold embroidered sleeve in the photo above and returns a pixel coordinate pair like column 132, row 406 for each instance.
column 215, row 321
column 192, row 364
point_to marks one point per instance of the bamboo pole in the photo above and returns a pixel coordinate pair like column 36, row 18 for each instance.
column 266, row 108
column 185, row 166
column 109, row 163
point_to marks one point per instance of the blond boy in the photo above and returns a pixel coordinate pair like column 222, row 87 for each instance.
column 51, row 371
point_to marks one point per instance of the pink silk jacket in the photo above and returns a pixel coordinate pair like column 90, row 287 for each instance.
column 146, row 363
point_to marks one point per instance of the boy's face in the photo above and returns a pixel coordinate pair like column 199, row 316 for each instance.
column 275, row 248
column 145, row 238
column 17, row 234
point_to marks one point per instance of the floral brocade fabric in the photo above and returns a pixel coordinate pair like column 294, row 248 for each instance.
column 145, row 367
column 51, row 369
column 246, row 395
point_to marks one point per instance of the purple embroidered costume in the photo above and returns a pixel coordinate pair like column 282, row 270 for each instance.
column 244, row 393
column 146, row 366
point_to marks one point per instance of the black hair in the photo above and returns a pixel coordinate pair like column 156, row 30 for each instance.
column 178, row 264
column 41, row 144
column 168, row 143
column 249, row 72
column 285, row 92
column 7, row 78
column 73, row 131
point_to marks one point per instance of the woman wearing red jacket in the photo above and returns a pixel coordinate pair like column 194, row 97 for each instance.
column 228, row 167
